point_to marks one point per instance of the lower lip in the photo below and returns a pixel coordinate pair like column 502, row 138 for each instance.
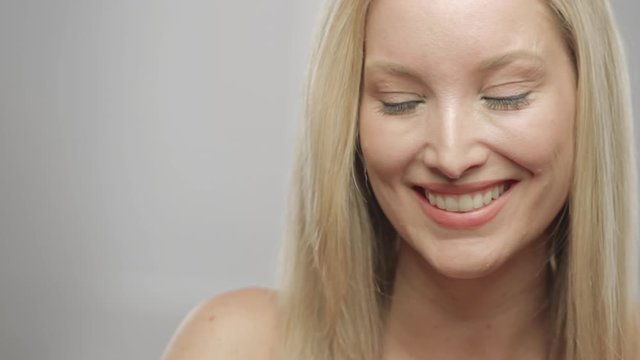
column 465, row 220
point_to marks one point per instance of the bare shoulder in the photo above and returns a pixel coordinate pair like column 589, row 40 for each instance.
column 241, row 324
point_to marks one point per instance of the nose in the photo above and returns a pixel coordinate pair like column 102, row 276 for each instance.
column 454, row 143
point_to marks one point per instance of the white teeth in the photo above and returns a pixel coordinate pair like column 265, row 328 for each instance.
column 477, row 201
column 465, row 202
column 451, row 203
column 440, row 202
column 486, row 198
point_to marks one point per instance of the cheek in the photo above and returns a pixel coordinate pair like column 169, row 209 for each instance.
column 541, row 140
column 538, row 150
column 543, row 145
column 388, row 147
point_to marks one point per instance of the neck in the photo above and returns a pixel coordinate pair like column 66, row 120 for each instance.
column 499, row 316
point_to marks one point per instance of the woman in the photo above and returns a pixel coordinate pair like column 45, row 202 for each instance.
column 465, row 190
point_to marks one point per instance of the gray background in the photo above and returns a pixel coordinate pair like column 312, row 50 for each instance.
column 145, row 149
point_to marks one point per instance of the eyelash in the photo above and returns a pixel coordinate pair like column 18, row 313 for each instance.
column 399, row 108
column 508, row 103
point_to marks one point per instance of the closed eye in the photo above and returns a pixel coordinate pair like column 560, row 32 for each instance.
column 508, row 103
column 399, row 108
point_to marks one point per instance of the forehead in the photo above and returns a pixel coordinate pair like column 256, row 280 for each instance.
column 443, row 34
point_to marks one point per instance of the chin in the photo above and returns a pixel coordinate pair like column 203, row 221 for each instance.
column 464, row 259
column 466, row 269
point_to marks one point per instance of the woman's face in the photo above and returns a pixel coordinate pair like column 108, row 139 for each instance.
column 466, row 126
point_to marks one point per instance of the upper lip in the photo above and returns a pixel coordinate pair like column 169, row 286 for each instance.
column 456, row 189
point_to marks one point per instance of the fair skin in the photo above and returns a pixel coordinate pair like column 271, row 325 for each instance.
column 461, row 98
column 458, row 97
column 237, row 325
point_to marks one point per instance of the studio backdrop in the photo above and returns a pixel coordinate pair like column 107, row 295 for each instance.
column 145, row 154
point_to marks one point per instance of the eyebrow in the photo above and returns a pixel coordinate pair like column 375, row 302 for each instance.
column 492, row 63
column 499, row 61
column 392, row 69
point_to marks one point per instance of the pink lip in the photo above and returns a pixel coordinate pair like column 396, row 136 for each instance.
column 464, row 220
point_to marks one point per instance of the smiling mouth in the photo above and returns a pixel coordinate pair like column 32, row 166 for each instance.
column 465, row 202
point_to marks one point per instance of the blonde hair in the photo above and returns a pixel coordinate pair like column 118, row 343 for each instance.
column 340, row 256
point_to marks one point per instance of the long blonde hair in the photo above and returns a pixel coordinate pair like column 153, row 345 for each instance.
column 341, row 251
